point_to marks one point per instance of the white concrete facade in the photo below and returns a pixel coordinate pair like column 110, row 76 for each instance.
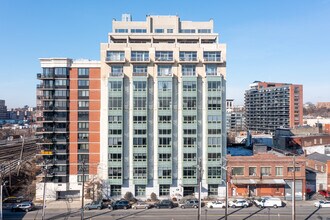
column 147, row 39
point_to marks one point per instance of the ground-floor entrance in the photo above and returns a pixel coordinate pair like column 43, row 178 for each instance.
column 188, row 190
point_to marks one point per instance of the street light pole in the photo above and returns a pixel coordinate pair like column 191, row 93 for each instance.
column 200, row 173
column 225, row 168
column 82, row 190
column 294, row 189
column 1, row 182
column 44, row 193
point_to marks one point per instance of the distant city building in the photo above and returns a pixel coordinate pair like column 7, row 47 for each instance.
column 3, row 110
column 323, row 105
column 143, row 117
column 25, row 113
column 272, row 105
column 235, row 116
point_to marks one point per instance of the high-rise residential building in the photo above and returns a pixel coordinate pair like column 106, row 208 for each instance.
column 3, row 110
column 235, row 117
column 272, row 105
column 68, row 109
column 161, row 107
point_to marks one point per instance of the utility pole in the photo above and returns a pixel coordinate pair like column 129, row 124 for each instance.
column 1, row 184
column 44, row 191
column 225, row 168
column 82, row 189
column 294, row 189
column 200, row 174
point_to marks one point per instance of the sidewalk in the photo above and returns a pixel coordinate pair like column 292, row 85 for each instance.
column 63, row 204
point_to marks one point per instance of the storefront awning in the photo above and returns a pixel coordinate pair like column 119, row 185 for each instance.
column 257, row 181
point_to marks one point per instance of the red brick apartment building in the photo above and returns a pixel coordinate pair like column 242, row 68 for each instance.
column 265, row 174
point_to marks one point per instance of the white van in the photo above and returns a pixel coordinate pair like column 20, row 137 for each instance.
column 269, row 202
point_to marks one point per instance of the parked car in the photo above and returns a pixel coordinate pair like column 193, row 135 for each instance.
column 322, row 204
column 24, row 206
column 164, row 204
column 94, row 205
column 141, row 205
column 119, row 204
column 239, row 203
column 189, row 204
column 268, row 202
column 216, row 204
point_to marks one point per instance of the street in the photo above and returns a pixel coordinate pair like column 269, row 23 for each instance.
column 303, row 212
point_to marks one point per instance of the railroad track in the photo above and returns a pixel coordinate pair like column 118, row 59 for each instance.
column 10, row 153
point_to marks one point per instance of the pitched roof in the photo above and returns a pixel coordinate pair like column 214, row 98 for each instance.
column 319, row 157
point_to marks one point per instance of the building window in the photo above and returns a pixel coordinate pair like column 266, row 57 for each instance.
column 164, row 142
column 214, row 118
column 189, row 103
column 189, row 142
column 138, row 31
column 188, row 31
column 279, row 171
column 83, row 83
column 164, row 70
column 139, row 172
column 139, row 119
column 115, row 142
column 164, row 190
column 139, row 157
column 164, row 103
column 115, row 86
column 252, row 171
column 83, row 116
column 214, row 86
column 115, row 119
column 189, row 172
column 115, row 131
column 115, row 103
column 83, row 158
column 164, row 157
column 121, row 30
column 164, row 56
column 140, row 190
column 189, row 119
column 214, row 172
column 214, row 142
column 188, row 56
column 140, row 70
column 290, row 169
column 169, row 31
column 212, row 190
column 188, row 70
column 117, row 70
column 214, row 103
column 139, row 142
column 83, row 125
column 211, row 70
column 140, row 131
column 115, row 190
column 189, row 86
column 204, row 31
column 214, row 131
column 164, row 119
column 140, row 103
column 238, row 171
column 214, row 156
column 83, row 104
column 80, row 178
column 189, row 131
column 164, row 86
column 83, row 136
column 189, row 157
column 61, row 83
column 265, row 171
column 211, row 55
column 83, row 72
column 114, row 173
column 83, row 93
column 139, row 56
column 164, row 172
column 164, row 131
column 158, row 31
column 83, row 146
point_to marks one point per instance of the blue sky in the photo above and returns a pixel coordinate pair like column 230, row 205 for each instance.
column 279, row 40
